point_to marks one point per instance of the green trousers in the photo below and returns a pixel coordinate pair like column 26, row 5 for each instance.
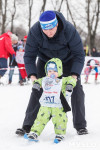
column 58, row 116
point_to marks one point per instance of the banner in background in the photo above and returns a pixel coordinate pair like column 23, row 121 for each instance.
column 87, row 58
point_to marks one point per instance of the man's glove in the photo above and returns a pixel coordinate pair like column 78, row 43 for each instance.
column 36, row 86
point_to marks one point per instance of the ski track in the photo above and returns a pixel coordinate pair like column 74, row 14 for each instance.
column 13, row 102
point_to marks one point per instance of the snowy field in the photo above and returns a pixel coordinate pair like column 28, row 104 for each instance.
column 13, row 102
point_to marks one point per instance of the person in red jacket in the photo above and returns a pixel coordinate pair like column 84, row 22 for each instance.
column 6, row 41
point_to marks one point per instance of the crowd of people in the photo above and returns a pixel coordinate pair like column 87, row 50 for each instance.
column 93, row 53
column 12, row 51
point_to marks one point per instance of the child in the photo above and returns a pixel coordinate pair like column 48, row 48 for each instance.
column 20, row 63
column 91, row 65
column 52, row 105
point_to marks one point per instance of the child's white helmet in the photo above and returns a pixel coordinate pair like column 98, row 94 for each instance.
column 92, row 63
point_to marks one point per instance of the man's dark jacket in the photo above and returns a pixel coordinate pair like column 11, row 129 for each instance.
column 65, row 45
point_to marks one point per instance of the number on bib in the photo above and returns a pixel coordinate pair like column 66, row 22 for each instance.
column 50, row 99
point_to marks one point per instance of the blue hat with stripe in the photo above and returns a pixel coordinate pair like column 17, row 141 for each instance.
column 52, row 66
column 20, row 46
column 48, row 20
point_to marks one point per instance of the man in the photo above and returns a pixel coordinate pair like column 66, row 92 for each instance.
column 53, row 36
column 6, row 41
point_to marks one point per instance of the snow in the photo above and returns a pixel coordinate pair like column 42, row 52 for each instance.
column 13, row 102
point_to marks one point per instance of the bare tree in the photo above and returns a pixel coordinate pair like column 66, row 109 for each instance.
column 59, row 9
column 0, row 7
column 57, row 4
column 30, row 12
column 92, row 20
column 13, row 16
column 4, row 14
column 0, row 14
column 43, row 6
column 70, row 13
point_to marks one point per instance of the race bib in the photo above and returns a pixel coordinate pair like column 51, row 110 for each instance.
column 51, row 92
column 20, row 57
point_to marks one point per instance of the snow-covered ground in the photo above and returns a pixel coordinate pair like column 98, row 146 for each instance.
column 13, row 102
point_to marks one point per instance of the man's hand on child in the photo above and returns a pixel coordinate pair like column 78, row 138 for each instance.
column 33, row 78
column 75, row 77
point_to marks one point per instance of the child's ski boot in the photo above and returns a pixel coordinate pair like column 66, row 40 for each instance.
column 32, row 136
column 58, row 139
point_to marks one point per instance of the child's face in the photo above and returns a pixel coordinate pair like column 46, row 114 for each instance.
column 20, row 49
column 50, row 72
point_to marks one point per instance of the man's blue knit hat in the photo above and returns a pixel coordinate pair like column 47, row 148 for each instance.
column 48, row 20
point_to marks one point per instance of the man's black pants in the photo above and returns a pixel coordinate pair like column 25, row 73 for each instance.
column 77, row 99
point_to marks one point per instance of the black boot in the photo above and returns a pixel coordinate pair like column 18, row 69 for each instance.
column 23, row 130
column 82, row 131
